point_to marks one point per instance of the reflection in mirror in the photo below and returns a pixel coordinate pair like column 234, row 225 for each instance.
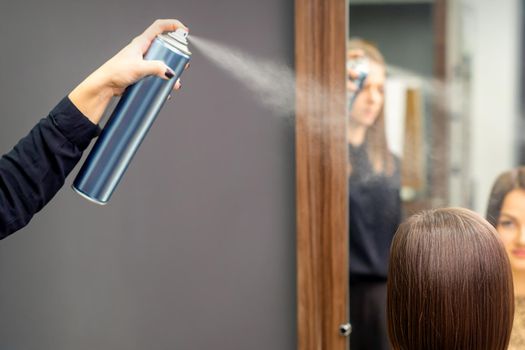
column 506, row 212
column 374, row 183
column 432, row 125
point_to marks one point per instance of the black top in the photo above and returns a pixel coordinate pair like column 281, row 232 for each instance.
column 35, row 169
column 375, row 213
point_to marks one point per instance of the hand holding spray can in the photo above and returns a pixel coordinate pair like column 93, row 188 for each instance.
column 130, row 121
column 361, row 67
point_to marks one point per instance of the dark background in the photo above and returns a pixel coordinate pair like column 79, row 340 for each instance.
column 196, row 249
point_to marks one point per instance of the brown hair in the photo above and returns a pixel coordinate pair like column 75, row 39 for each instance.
column 505, row 183
column 377, row 147
column 449, row 284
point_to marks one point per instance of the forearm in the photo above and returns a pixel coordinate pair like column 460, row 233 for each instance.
column 92, row 96
column 35, row 169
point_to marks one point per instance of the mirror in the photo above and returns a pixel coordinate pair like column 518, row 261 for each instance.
column 432, row 126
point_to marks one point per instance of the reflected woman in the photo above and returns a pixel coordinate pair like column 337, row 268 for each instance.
column 506, row 212
column 375, row 206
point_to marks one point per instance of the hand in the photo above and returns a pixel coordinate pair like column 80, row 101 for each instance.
column 93, row 95
column 351, row 73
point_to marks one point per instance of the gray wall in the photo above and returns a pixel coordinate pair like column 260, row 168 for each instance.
column 402, row 32
column 196, row 249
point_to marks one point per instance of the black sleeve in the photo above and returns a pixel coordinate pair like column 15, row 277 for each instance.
column 35, row 169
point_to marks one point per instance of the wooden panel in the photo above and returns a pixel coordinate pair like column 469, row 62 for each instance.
column 413, row 172
column 321, row 157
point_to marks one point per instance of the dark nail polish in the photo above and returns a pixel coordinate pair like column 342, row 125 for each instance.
column 169, row 74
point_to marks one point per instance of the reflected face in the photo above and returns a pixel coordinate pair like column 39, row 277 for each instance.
column 369, row 101
column 511, row 226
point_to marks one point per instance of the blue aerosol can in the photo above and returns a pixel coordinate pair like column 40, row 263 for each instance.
column 130, row 121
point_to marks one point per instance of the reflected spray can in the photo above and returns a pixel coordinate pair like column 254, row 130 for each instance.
column 130, row 121
column 361, row 67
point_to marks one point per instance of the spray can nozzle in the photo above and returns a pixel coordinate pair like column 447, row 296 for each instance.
column 180, row 35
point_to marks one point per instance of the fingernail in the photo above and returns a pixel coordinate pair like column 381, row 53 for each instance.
column 169, row 73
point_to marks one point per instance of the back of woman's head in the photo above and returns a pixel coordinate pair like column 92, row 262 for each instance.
column 449, row 283
column 505, row 183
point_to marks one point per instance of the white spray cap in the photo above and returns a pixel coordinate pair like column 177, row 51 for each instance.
column 178, row 39
column 180, row 35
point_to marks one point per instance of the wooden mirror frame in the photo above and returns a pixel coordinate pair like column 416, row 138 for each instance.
column 321, row 161
column 321, row 29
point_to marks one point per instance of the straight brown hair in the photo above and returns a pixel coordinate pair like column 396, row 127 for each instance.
column 449, row 284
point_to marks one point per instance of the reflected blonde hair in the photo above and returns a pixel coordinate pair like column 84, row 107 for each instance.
column 449, row 284
column 376, row 144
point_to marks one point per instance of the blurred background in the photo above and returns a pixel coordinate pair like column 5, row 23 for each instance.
column 454, row 106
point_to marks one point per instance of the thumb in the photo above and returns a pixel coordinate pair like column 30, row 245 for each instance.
column 157, row 68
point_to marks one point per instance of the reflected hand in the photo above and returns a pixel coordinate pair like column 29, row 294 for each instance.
column 351, row 73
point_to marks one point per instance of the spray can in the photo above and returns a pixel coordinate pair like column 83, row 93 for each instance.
column 361, row 66
column 131, row 120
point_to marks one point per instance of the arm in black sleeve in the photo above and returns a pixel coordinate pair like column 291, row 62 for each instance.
column 35, row 169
